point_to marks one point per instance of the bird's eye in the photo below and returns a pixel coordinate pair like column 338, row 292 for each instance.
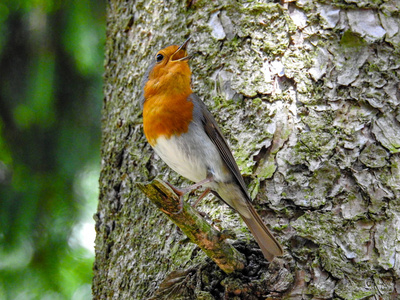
column 159, row 57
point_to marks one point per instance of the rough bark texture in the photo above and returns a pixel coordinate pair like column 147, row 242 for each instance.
column 307, row 93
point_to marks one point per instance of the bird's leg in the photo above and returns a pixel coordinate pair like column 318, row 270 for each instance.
column 205, row 193
column 193, row 187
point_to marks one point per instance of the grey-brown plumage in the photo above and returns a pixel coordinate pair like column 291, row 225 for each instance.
column 241, row 202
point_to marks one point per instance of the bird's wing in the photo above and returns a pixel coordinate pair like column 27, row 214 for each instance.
column 214, row 133
column 267, row 242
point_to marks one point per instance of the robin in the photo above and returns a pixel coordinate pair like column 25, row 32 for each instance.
column 182, row 131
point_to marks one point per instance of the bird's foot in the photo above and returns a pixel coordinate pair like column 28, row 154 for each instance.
column 180, row 193
column 189, row 189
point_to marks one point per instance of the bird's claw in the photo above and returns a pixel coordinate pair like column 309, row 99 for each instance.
column 180, row 206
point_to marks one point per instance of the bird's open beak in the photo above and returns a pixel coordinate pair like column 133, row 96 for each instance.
column 182, row 47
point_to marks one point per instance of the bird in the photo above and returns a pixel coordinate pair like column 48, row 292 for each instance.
column 185, row 135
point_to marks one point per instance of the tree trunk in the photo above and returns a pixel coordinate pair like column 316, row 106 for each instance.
column 308, row 96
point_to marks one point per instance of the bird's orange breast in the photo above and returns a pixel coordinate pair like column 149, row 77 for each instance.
column 166, row 115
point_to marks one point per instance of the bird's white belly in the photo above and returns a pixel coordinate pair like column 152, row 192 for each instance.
column 192, row 156
column 177, row 157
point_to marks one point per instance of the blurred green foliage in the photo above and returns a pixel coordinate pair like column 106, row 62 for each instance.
column 51, row 65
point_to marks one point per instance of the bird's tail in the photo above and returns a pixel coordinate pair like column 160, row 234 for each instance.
column 270, row 247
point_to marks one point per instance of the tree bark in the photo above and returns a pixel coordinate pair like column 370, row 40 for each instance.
column 307, row 94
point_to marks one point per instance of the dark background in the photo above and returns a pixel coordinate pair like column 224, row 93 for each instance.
column 51, row 65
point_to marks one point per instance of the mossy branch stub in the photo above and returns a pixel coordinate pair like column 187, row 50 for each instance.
column 194, row 226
